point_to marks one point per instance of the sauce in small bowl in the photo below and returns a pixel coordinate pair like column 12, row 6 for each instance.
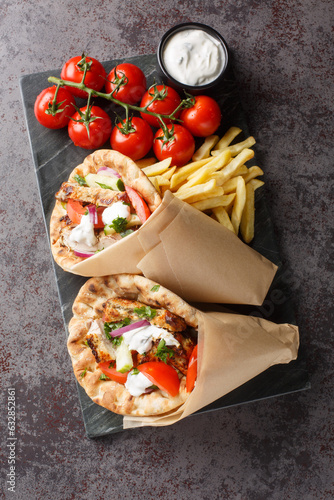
column 192, row 57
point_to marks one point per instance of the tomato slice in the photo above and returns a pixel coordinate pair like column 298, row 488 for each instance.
column 192, row 370
column 138, row 204
column 111, row 372
column 75, row 211
column 162, row 375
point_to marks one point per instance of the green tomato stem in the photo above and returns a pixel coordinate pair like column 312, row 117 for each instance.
column 110, row 97
column 54, row 106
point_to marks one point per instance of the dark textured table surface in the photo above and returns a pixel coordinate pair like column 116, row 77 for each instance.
column 277, row 448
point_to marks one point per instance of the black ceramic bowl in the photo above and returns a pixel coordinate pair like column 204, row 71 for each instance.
column 207, row 88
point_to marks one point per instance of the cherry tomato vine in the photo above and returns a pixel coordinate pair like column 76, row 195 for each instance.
column 155, row 93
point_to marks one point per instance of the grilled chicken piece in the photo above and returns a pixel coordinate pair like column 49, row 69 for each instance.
column 103, row 240
column 94, row 195
column 101, row 347
column 118, row 309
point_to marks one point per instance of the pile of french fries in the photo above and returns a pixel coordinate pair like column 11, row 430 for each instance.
column 217, row 181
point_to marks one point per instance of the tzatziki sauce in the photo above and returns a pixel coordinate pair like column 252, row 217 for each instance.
column 118, row 209
column 141, row 339
column 83, row 233
column 193, row 57
column 137, row 384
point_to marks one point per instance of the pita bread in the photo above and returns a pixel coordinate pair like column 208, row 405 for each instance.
column 87, row 307
column 131, row 175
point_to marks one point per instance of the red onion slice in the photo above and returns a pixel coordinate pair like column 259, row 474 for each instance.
column 84, row 255
column 127, row 328
column 92, row 214
column 108, row 171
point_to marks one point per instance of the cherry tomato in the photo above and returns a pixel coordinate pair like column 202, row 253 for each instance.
column 99, row 128
column 161, row 375
column 180, row 147
column 75, row 211
column 134, row 79
column 138, row 204
column 111, row 372
column 136, row 143
column 53, row 113
column 167, row 100
column 73, row 70
column 192, row 370
column 203, row 118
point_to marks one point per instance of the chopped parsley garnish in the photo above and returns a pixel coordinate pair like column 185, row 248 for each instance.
column 109, row 327
column 82, row 374
column 163, row 352
column 103, row 377
column 145, row 312
column 155, row 288
column 119, row 224
column 117, row 340
column 80, row 180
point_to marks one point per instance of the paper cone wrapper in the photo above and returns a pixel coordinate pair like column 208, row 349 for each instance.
column 189, row 253
column 232, row 349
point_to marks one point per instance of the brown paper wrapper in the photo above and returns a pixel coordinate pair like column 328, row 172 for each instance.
column 232, row 349
column 189, row 253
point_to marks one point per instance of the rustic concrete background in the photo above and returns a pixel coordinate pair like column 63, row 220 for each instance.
column 280, row 448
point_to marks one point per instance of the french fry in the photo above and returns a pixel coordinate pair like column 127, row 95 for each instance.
column 200, row 178
column 252, row 173
column 256, row 183
column 205, row 173
column 213, row 202
column 242, row 170
column 232, row 167
column 229, row 186
column 229, row 206
column 204, row 150
column 162, row 181
column 222, row 217
column 155, row 184
column 157, row 168
column 248, row 215
column 239, row 203
column 168, row 174
column 196, row 193
column 214, row 164
column 227, row 138
column 237, row 148
column 145, row 162
column 182, row 173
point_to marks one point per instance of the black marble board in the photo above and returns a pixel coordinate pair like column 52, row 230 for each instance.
column 55, row 156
